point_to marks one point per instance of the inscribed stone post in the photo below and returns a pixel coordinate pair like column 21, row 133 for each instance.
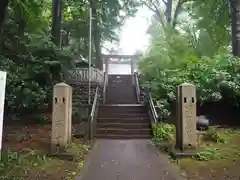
column 3, row 76
column 186, row 134
column 61, row 118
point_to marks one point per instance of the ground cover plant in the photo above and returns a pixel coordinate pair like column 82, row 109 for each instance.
column 26, row 155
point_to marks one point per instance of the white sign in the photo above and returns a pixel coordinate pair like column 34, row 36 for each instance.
column 3, row 76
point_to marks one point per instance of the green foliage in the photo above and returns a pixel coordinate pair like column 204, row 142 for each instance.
column 215, row 79
column 164, row 136
column 31, row 76
column 176, row 57
column 7, row 159
column 163, row 132
column 208, row 154
column 22, row 165
column 33, row 63
column 213, row 135
column 194, row 51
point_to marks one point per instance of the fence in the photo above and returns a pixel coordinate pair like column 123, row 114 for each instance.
column 82, row 74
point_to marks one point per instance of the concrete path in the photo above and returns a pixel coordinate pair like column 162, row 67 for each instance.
column 127, row 160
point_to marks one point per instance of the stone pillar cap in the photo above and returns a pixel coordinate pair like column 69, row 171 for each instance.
column 186, row 84
column 62, row 84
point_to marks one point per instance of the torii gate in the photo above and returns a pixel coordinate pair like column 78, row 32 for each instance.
column 120, row 59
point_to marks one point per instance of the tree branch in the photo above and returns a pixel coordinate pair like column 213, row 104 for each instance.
column 176, row 13
column 165, row 2
column 155, row 10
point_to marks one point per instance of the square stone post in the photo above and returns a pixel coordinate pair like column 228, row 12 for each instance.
column 132, row 61
column 132, row 65
column 186, row 134
column 106, row 62
column 61, row 117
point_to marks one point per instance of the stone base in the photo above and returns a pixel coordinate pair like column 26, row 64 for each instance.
column 62, row 153
column 177, row 154
column 64, row 156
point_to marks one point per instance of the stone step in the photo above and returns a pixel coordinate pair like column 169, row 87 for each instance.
column 110, row 114
column 116, row 131
column 120, row 90
column 129, row 111
column 124, row 125
column 126, row 136
column 123, row 120
column 123, row 109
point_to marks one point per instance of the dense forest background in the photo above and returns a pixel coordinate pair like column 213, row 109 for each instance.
column 194, row 42
column 191, row 41
column 41, row 40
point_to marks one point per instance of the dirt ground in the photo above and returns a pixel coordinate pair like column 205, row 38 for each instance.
column 222, row 162
column 26, row 155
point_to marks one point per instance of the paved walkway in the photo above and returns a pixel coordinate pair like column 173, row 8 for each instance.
column 127, row 160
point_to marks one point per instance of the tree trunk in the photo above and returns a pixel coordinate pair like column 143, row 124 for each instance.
column 97, row 43
column 3, row 14
column 176, row 13
column 21, row 21
column 168, row 12
column 235, row 22
column 3, row 11
column 56, row 22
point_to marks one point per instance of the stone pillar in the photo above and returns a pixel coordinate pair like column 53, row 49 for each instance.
column 106, row 60
column 132, row 66
column 61, row 117
column 186, row 134
column 132, row 70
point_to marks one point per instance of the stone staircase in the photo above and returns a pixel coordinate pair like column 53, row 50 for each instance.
column 130, row 121
column 121, row 90
column 122, row 117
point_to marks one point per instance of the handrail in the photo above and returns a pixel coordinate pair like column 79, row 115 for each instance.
column 152, row 109
column 99, row 75
column 92, row 117
column 137, row 87
column 100, row 72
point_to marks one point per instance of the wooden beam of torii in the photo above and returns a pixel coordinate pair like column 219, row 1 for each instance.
column 120, row 59
column 121, row 56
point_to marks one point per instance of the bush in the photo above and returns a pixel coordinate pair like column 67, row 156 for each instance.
column 30, row 77
column 215, row 79
column 163, row 132
column 213, row 135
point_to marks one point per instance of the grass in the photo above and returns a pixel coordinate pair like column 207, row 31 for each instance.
column 25, row 155
column 218, row 157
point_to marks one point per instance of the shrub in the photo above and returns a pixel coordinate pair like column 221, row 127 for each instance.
column 31, row 76
column 215, row 79
column 163, row 132
column 213, row 135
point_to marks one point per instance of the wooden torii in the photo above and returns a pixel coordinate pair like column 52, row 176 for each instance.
column 120, row 59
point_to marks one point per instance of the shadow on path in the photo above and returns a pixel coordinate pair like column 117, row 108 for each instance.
column 127, row 160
